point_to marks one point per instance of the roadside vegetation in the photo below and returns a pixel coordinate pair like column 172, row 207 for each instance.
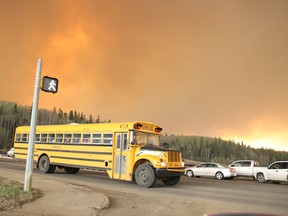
column 12, row 194
column 198, row 148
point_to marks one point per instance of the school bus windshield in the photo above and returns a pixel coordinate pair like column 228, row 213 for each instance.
column 146, row 138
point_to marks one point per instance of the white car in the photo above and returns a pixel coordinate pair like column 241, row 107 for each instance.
column 276, row 172
column 10, row 153
column 210, row 169
column 245, row 167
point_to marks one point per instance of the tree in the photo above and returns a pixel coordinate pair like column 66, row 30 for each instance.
column 98, row 119
column 71, row 116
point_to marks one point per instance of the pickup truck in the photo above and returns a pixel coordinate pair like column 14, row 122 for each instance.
column 245, row 167
column 276, row 172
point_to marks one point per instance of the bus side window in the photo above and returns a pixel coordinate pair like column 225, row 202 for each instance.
column 59, row 138
column 86, row 138
column 76, row 137
column 96, row 138
column 51, row 138
column 18, row 137
column 67, row 138
column 37, row 138
column 24, row 137
column 43, row 138
column 108, row 138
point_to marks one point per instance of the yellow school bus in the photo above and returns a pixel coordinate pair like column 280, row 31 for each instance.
column 128, row 151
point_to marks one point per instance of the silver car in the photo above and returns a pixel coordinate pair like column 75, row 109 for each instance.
column 210, row 169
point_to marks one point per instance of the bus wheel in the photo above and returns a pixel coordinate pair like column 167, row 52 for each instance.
column 145, row 175
column 171, row 180
column 70, row 170
column 45, row 166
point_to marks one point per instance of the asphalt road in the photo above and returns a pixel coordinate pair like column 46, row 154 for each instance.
column 245, row 194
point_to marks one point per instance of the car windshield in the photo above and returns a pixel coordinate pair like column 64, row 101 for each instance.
column 146, row 138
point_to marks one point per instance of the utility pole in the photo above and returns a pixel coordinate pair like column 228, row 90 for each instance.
column 30, row 156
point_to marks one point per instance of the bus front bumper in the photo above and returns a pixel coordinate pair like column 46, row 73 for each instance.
column 169, row 172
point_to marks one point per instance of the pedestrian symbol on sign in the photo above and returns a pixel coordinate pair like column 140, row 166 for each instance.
column 50, row 84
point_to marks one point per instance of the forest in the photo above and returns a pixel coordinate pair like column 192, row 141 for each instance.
column 196, row 148
column 12, row 116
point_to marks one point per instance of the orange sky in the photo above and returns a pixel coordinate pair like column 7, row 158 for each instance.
column 211, row 68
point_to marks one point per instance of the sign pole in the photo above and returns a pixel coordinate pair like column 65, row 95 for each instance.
column 30, row 156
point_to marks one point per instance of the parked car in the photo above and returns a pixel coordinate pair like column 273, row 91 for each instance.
column 209, row 169
column 276, row 172
column 245, row 167
column 10, row 153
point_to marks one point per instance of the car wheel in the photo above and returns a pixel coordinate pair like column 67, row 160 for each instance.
column 189, row 173
column 219, row 175
column 260, row 177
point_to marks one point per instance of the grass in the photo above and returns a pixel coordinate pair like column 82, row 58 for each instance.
column 12, row 194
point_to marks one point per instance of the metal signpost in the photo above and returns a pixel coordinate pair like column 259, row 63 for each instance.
column 49, row 84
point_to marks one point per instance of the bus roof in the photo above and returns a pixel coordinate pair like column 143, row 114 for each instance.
column 101, row 127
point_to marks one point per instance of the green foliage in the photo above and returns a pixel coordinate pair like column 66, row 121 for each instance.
column 12, row 116
column 200, row 148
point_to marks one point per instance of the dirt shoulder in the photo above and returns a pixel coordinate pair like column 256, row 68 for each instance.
column 59, row 198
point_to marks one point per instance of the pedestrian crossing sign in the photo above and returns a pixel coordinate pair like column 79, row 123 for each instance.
column 49, row 84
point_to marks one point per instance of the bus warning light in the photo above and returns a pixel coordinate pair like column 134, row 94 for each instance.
column 158, row 129
column 138, row 126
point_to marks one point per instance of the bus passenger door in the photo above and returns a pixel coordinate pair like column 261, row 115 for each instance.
column 120, row 156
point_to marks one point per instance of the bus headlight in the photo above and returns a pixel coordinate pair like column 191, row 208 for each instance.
column 163, row 164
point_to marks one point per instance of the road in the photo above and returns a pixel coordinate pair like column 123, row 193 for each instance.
column 192, row 196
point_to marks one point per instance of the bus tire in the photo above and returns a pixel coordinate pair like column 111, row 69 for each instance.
column 173, row 180
column 71, row 170
column 145, row 176
column 45, row 166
